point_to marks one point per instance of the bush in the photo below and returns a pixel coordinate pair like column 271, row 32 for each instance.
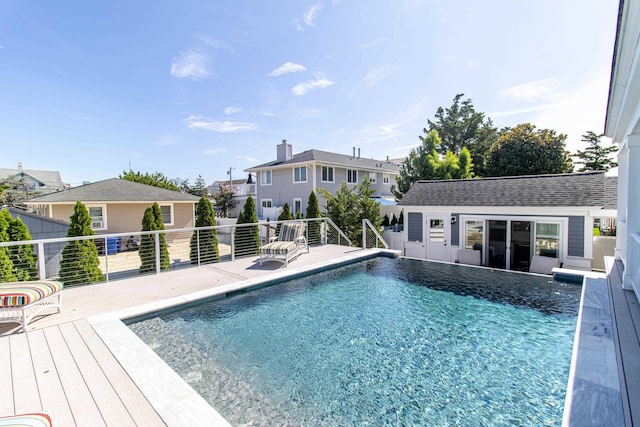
column 247, row 239
column 206, row 240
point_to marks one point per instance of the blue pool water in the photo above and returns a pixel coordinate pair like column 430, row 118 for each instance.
column 381, row 342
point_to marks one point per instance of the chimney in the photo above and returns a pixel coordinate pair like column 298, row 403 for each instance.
column 285, row 151
column 19, row 165
column 358, row 153
column 354, row 153
column 387, row 159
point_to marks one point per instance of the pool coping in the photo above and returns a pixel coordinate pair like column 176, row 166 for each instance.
column 176, row 402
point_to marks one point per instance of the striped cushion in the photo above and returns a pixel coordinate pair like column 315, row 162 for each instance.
column 17, row 294
column 26, row 420
column 277, row 248
column 289, row 232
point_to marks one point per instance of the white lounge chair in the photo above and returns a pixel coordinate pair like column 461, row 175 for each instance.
column 288, row 245
column 543, row 264
column 21, row 301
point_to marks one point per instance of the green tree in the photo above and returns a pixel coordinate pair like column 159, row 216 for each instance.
column 156, row 179
column 23, row 257
column 313, row 211
column 80, row 263
column 15, row 189
column 462, row 126
column 385, row 220
column 285, row 215
column 224, row 201
column 200, row 187
column 424, row 162
column 206, row 240
column 247, row 239
column 595, row 157
column 348, row 207
column 6, row 265
column 152, row 221
column 523, row 150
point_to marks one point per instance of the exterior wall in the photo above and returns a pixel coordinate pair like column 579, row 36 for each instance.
column 576, row 251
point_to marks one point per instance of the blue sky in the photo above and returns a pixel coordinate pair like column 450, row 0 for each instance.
column 198, row 86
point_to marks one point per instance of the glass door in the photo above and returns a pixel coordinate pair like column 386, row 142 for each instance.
column 520, row 255
column 497, row 243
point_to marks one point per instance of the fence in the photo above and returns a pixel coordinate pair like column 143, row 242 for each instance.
column 371, row 238
column 123, row 255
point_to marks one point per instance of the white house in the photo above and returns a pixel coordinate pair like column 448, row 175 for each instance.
column 36, row 181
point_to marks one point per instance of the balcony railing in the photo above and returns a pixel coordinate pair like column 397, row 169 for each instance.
column 124, row 255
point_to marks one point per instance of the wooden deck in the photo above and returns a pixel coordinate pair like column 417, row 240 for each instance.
column 626, row 312
column 62, row 366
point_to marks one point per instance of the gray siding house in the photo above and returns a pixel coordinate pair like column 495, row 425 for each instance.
column 37, row 181
column 509, row 219
column 291, row 178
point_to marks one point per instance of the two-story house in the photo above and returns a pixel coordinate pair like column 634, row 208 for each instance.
column 291, row 178
column 35, row 181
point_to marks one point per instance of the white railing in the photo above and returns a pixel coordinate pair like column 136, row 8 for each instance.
column 632, row 265
column 122, row 255
column 371, row 238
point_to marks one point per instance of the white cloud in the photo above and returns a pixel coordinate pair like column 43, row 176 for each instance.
column 304, row 88
column 232, row 110
column 247, row 159
column 471, row 65
column 225, row 126
column 374, row 77
column 308, row 18
column 213, row 151
column 373, row 43
column 535, row 91
column 267, row 113
column 287, row 67
column 191, row 64
column 167, row 140
column 214, row 43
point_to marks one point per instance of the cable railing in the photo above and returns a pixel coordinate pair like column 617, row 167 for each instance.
column 106, row 257
column 371, row 238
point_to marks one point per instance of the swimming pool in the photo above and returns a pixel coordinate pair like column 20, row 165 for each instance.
column 384, row 341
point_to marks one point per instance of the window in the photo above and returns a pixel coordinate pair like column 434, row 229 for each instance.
column 300, row 174
column 297, row 207
column 327, row 174
column 372, row 177
column 265, row 178
column 473, row 234
column 436, row 230
column 548, row 239
column 167, row 214
column 267, row 203
column 352, row 176
column 414, row 226
column 385, row 178
column 97, row 217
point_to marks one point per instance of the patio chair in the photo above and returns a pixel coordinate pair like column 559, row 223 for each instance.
column 469, row 257
column 288, row 245
column 39, row 419
column 21, row 301
column 543, row 264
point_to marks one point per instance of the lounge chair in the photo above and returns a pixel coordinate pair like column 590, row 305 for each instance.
column 39, row 419
column 469, row 257
column 21, row 301
column 288, row 245
column 543, row 264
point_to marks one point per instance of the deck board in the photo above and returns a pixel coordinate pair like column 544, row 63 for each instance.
column 49, row 385
column 6, row 379
column 26, row 395
column 109, row 404
column 137, row 405
column 84, row 408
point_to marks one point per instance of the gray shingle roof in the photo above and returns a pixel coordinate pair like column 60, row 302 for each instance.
column 333, row 159
column 50, row 179
column 115, row 190
column 578, row 189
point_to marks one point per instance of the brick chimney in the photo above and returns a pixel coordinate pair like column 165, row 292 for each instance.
column 285, row 151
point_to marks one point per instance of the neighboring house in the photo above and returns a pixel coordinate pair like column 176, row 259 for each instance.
column 623, row 126
column 41, row 182
column 118, row 205
column 509, row 219
column 291, row 178
column 242, row 188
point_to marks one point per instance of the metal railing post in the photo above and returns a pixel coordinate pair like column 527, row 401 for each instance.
column 157, row 243
column 42, row 266
column 233, row 242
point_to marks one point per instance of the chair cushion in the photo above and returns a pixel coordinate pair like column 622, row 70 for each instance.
column 26, row 420
column 289, row 232
column 277, row 248
column 17, row 294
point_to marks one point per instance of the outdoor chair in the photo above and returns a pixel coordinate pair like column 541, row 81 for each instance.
column 288, row 245
column 469, row 257
column 21, row 301
column 39, row 419
column 543, row 264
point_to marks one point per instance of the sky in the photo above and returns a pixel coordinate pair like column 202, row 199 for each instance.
column 200, row 88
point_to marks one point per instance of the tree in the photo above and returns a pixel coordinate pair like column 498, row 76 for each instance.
column 23, row 257
column 14, row 189
column 6, row 266
column 205, row 240
column 152, row 221
column 156, row 179
column 424, row 162
column 313, row 211
column 348, row 207
column 523, row 150
column 199, row 187
column 385, row 220
column 224, row 201
column 285, row 215
column 247, row 239
column 182, row 184
column 462, row 126
column 80, row 263
column 595, row 157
